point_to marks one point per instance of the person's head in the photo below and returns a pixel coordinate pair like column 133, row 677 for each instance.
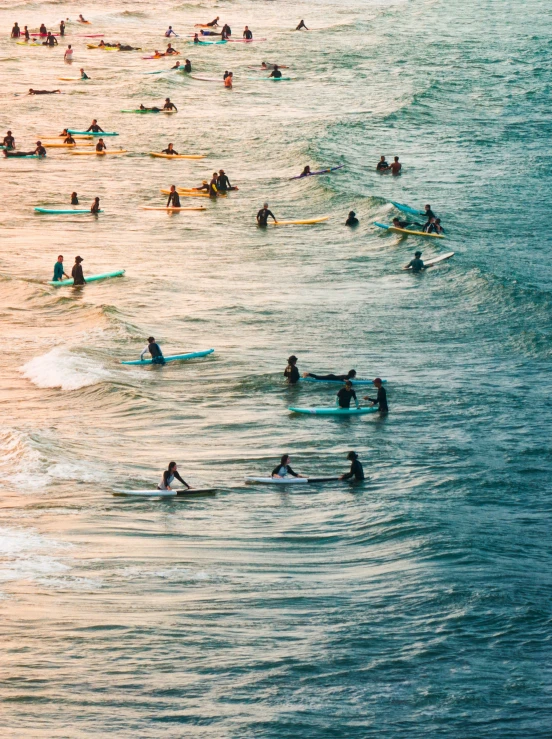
column 69, row 46
column 292, row 360
column 377, row 382
column 348, row 384
column 173, row 188
column 81, row 70
column 188, row 61
column 39, row 143
column 94, row 121
column 352, row 214
column 352, row 456
column 396, row 223
column 215, row 174
column 265, row 205
column 9, row 133
column 167, row 100
column 351, row 374
column 246, row 28
column 100, row 140
column 78, row 260
column 418, row 254
column 438, row 221
column 172, row 466
column 382, row 158
column 31, row 90
column 230, row 74
column 428, row 207
column 263, row 65
column 285, row 459
column 396, row 159
column 96, row 200
column 60, row 258
column 204, row 182
column 170, row 146
column 151, row 339
column 142, row 106
column 432, row 220
column 221, row 171
column 275, row 66
column 73, row 194
column 170, row 28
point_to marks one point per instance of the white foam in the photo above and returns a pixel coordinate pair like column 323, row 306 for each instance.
column 23, row 557
column 60, row 368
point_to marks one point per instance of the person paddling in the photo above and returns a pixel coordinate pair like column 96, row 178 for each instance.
column 345, row 395
column 291, row 372
column 381, row 399
column 356, row 470
column 59, row 271
column 351, row 374
column 264, row 214
column 284, row 469
column 77, row 273
column 174, row 198
column 154, row 349
column 169, row 475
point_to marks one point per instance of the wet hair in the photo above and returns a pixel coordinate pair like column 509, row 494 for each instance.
column 292, row 359
column 284, row 459
column 151, row 339
column 171, row 465
column 352, row 456
column 60, row 256
column 351, row 373
column 378, row 379
column 418, row 254
column 352, row 214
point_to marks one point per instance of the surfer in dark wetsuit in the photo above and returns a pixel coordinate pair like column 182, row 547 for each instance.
column 301, row 25
column 151, row 110
column 174, row 198
column 100, row 146
column 381, row 399
column 430, row 227
column 213, row 24
column 188, row 66
column 284, row 469
column 95, row 206
column 382, row 165
column 169, row 475
column 223, row 183
column 94, row 127
column 264, row 214
column 43, row 92
column 416, row 264
column 226, row 32
column 345, row 395
column 276, row 74
column 247, row 34
column 397, row 223
column 291, row 372
column 50, row 40
column 170, row 150
column 169, row 106
column 74, row 198
column 351, row 374
column 356, row 470
column 16, row 31
column 76, row 272
column 155, row 350
column 352, row 220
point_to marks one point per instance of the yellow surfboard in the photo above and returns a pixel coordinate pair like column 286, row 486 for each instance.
column 177, row 156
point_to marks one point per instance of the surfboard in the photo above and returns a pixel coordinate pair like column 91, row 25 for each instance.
column 172, row 358
column 289, row 480
column 320, row 171
column 138, row 110
column 407, row 209
column 166, row 493
column 92, row 278
column 433, row 262
column 306, row 222
column 335, row 411
column 66, row 211
column 171, row 208
column 340, row 382
column 73, row 132
column 406, row 232
column 176, row 156
column 98, row 153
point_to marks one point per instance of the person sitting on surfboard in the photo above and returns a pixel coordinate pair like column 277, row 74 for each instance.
column 226, row 32
column 80, row 19
column 345, row 395
column 283, row 469
column 430, row 227
column 59, row 272
column 352, row 220
column 356, row 470
column 169, row 475
column 381, row 399
column 94, row 127
column 169, row 106
column 223, row 183
column 196, row 39
column 264, row 214
column 8, row 141
column 95, row 207
column 301, row 25
column 40, row 151
column 174, row 198
column 351, row 374
column 291, row 372
column 416, row 264
column 382, row 165
column 154, row 349
column 396, row 166
column 247, row 34
column 169, row 150
column 276, row 74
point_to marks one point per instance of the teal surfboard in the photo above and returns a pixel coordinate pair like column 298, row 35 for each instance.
column 173, row 357
column 58, row 211
column 335, row 411
column 92, row 133
column 92, row 278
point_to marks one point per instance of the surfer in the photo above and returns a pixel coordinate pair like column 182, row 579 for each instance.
column 80, row 19
column 382, row 165
column 264, row 214
column 397, row 223
column 306, row 172
column 169, row 475
column 94, row 127
column 196, row 39
column 352, row 220
column 188, row 66
column 169, row 32
column 127, row 47
column 351, row 374
column 59, row 272
column 95, row 208
column 438, row 228
column 76, row 272
column 169, row 106
column 40, row 151
column 151, row 110
column 226, row 32
column 69, row 140
column 43, row 92
column 381, row 399
column 170, row 50
column 228, row 80
column 83, row 75
column 212, row 24
column 100, row 146
column 291, row 372
column 301, row 25
column 276, row 73
column 16, row 31
column 174, row 198
column 154, row 350
column 74, row 198
column 416, row 264
column 247, row 34
column 345, row 395
column 429, row 214
column 356, row 470
column 210, row 33
column 430, row 227
column 283, row 469
column 62, row 28
column 213, row 190
column 177, row 66
column 50, row 40
column 8, row 141
column 68, row 56
column 223, row 183
column 396, row 166
column 42, row 30
column 170, row 150
column 26, row 34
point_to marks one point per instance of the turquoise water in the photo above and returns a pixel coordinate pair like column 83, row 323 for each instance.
column 415, row 605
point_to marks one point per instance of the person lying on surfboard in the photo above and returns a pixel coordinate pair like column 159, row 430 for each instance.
column 174, row 198
column 154, row 349
column 154, row 109
column 169, row 32
column 283, row 469
column 351, row 374
column 212, row 24
column 43, row 92
column 169, row 475
column 397, row 223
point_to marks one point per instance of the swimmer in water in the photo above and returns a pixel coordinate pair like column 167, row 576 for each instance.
column 74, row 198
column 301, row 25
column 352, row 220
column 228, row 80
column 69, row 140
column 59, row 271
column 356, row 470
column 188, row 66
column 291, row 372
column 396, row 167
column 174, row 198
column 382, row 165
column 176, row 66
column 226, row 32
column 68, row 56
column 95, row 206
column 284, row 469
column 170, row 50
column 169, row 32
column 264, row 214
column 416, row 264
column 100, row 146
column 16, row 31
column 381, row 399
column 62, row 28
column 50, row 40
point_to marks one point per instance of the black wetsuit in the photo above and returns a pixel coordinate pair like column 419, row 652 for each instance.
column 381, row 400
column 429, row 214
column 157, row 358
column 174, row 200
column 291, row 373
column 276, row 74
column 95, row 208
column 77, row 275
column 263, row 215
column 356, row 471
column 51, row 41
column 84, row 76
column 329, row 377
column 382, row 166
column 169, row 151
column 417, row 265
column 74, row 200
column 430, row 228
column 284, row 469
column 62, row 29
column 223, row 183
column 95, row 128
column 40, row 151
column 248, row 35
column 188, row 67
column 345, row 396
column 168, row 477
column 351, row 221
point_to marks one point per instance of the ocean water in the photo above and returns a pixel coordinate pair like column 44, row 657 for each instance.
column 417, row 604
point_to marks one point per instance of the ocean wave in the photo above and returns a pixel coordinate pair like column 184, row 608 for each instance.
column 60, row 368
